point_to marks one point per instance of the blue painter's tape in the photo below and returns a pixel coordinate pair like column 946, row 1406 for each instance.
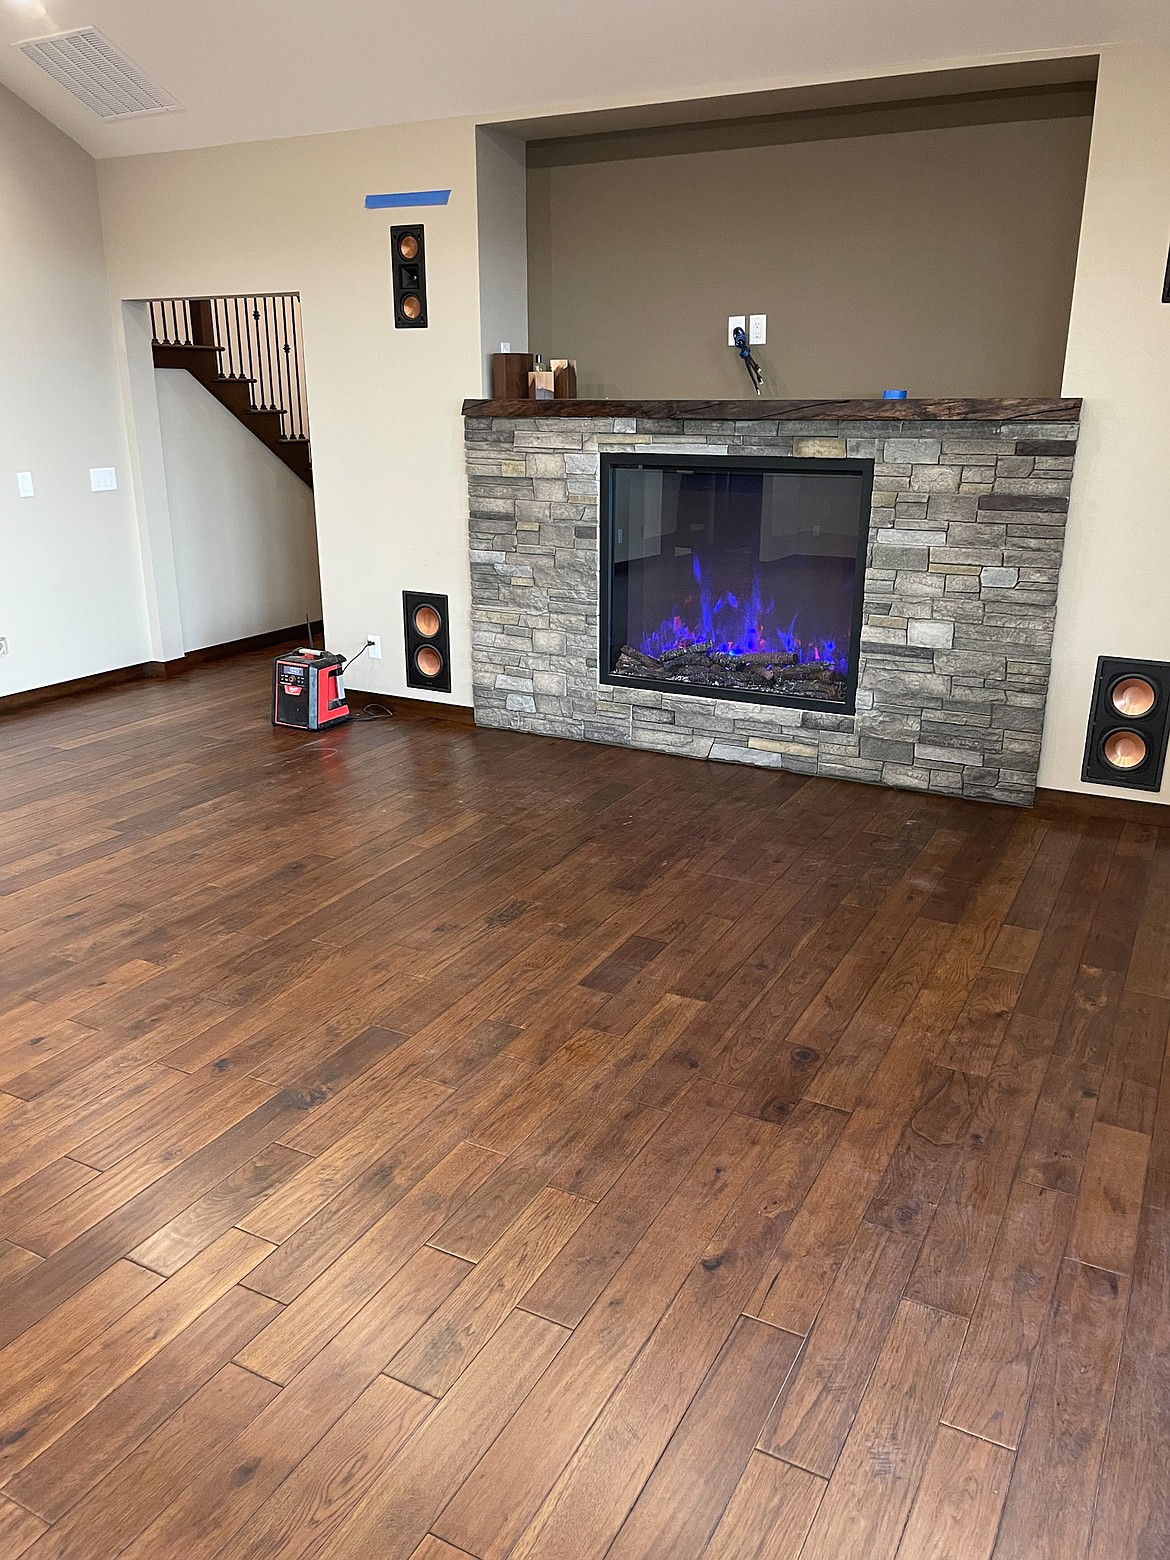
column 408, row 198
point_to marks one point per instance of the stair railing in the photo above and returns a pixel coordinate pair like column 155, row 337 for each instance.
column 259, row 342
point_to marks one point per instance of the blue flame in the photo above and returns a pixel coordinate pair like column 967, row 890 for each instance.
column 736, row 627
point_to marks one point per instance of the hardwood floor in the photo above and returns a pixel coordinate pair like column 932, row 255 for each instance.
column 423, row 1143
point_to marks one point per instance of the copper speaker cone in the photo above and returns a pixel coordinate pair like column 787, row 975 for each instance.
column 411, row 306
column 1133, row 696
column 408, row 247
column 427, row 621
column 429, row 661
column 1124, row 749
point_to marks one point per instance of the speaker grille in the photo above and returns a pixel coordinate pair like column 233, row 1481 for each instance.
column 98, row 74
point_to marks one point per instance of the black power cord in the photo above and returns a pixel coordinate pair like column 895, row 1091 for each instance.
column 755, row 374
column 373, row 710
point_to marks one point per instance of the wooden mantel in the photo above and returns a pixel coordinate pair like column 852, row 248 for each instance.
column 1021, row 410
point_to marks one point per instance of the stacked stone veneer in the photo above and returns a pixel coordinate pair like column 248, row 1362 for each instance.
column 966, row 534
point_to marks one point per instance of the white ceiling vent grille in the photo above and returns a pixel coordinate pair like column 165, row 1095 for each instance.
column 98, row 74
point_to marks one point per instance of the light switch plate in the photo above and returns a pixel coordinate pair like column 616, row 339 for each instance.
column 102, row 479
column 24, row 484
column 734, row 320
column 758, row 330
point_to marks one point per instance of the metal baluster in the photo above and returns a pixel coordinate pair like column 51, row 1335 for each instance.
column 268, row 333
column 257, row 358
column 300, row 418
column 238, row 370
column 286, row 394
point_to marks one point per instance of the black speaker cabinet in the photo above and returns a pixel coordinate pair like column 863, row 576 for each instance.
column 409, row 272
column 1128, row 723
column 428, row 640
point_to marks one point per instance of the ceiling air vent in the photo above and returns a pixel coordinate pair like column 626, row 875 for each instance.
column 98, row 74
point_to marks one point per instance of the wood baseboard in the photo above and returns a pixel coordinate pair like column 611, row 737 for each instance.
column 410, row 709
column 10, row 703
column 1085, row 804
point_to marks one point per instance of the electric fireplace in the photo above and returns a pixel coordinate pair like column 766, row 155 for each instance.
column 734, row 578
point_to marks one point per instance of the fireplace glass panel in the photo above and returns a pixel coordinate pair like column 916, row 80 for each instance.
column 735, row 578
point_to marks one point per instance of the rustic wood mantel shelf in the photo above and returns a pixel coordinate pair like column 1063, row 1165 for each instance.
column 1025, row 410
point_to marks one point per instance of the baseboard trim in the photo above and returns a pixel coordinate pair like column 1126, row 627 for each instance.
column 410, row 709
column 1086, row 804
column 268, row 641
column 144, row 671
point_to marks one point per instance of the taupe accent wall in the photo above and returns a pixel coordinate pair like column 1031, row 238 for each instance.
column 936, row 260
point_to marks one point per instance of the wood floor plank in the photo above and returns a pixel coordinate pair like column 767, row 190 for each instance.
column 73, row 1464
column 1132, row 1517
column 811, row 1420
column 400, row 1509
column 301, row 1516
column 682, row 1501
column 770, row 1513
column 507, row 1486
column 590, row 1258
column 47, row 1409
column 1049, row 1509
column 962, row 1233
column 137, row 1489
column 193, row 1230
column 19, row 1529
column 993, row 1380
column 447, row 1343
column 591, row 1499
column 956, row 1513
column 1109, row 1203
column 881, row 1465
column 824, row 1226
column 303, row 1327
column 247, row 1469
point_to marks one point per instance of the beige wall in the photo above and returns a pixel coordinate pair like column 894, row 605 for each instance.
column 72, row 600
column 1115, row 583
column 288, row 216
column 940, row 261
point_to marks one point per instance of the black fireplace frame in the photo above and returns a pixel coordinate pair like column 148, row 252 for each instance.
column 680, row 461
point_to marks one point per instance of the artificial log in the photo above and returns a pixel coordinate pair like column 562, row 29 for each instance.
column 701, row 666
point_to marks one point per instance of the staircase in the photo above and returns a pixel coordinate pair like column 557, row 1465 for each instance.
column 247, row 351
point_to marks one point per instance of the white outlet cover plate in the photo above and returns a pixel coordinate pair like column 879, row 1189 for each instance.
column 102, row 479
column 734, row 320
column 375, row 646
column 758, row 330
column 24, row 484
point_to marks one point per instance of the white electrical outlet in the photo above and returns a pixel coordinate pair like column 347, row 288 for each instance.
column 734, row 322
column 102, row 479
column 24, row 484
column 505, row 346
column 758, row 330
column 375, row 642
column 3, row 644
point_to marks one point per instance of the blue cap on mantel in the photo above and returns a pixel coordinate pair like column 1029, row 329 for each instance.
column 893, row 395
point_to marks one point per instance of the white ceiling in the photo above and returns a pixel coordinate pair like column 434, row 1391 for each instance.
column 254, row 69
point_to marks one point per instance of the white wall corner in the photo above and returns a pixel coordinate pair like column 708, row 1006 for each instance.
column 502, row 223
column 149, row 480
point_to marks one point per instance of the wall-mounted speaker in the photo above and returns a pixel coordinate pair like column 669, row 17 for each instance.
column 409, row 273
column 428, row 640
column 1129, row 723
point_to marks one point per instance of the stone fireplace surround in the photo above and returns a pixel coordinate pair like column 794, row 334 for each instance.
column 966, row 535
